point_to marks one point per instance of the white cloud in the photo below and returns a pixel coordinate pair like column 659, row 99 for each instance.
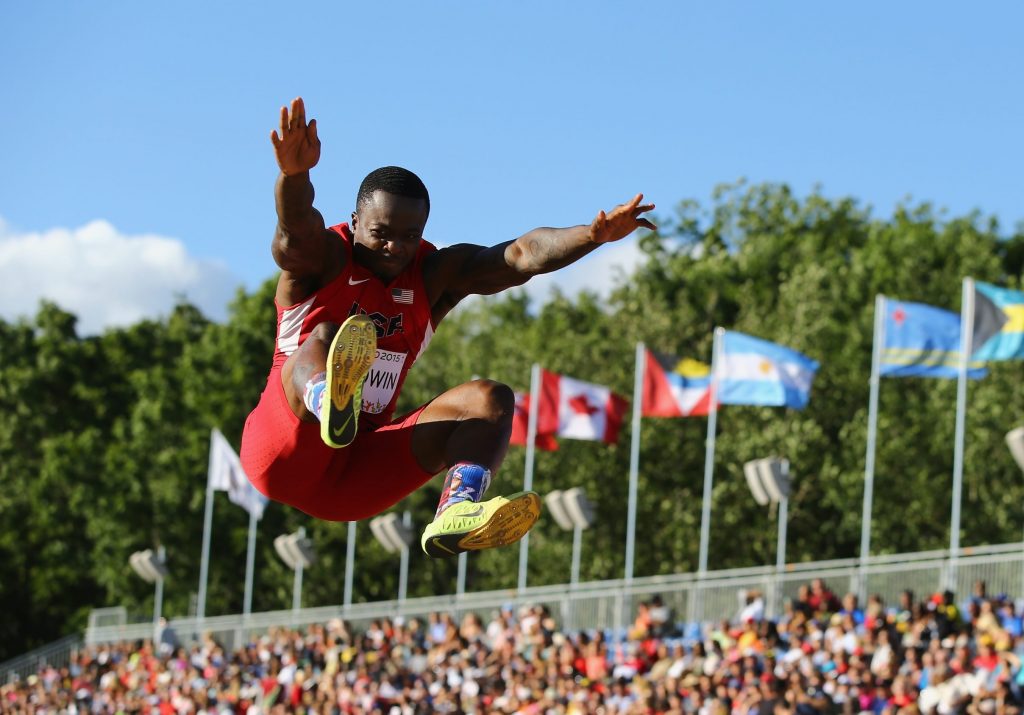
column 105, row 278
column 600, row 272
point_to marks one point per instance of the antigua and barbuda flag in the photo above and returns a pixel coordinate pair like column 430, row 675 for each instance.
column 575, row 409
column 675, row 387
column 758, row 372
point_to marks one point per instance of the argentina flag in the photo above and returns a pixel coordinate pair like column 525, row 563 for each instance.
column 758, row 372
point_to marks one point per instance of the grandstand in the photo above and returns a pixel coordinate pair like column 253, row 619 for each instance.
column 735, row 640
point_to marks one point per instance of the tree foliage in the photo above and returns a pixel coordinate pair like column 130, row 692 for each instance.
column 104, row 439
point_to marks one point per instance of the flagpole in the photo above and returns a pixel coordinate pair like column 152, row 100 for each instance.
column 709, row 455
column 966, row 331
column 250, row 558
column 204, row 564
column 634, row 460
column 531, row 438
column 877, row 341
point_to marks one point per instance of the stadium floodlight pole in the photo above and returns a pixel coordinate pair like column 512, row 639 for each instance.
column 350, row 562
column 577, row 547
column 572, row 511
column 531, row 438
column 780, row 553
column 152, row 569
column 297, row 583
column 709, row 471
column 403, row 574
column 204, row 563
column 966, row 331
column 1015, row 441
column 460, row 581
column 250, row 560
column 878, row 340
column 158, row 598
column 634, row 461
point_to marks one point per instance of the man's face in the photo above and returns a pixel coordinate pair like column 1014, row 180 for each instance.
column 388, row 230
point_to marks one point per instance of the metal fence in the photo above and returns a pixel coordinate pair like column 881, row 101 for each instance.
column 608, row 605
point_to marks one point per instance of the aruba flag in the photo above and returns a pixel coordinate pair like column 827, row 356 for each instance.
column 922, row 341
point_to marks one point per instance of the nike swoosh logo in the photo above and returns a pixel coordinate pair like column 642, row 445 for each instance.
column 338, row 431
column 477, row 512
column 439, row 545
column 355, row 283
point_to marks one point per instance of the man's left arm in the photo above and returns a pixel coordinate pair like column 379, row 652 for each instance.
column 465, row 269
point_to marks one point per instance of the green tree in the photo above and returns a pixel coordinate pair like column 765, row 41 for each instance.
column 104, row 439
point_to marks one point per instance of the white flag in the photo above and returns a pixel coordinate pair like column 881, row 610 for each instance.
column 227, row 475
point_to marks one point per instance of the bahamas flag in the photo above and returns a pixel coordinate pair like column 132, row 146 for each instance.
column 674, row 387
column 998, row 323
column 758, row 372
column 922, row 341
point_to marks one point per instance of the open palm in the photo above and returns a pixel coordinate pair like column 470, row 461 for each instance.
column 621, row 221
column 297, row 148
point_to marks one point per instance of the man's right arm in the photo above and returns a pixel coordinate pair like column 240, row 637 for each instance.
column 307, row 252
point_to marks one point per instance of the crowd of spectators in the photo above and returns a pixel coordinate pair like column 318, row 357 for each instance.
column 824, row 654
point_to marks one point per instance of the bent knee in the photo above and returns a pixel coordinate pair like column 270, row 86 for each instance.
column 324, row 332
column 493, row 401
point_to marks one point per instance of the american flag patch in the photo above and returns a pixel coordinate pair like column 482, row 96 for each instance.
column 402, row 295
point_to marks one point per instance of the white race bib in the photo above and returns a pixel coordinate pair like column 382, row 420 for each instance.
column 382, row 381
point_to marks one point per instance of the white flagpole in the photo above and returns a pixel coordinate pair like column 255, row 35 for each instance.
column 531, row 438
column 966, row 333
column 878, row 340
column 634, row 460
column 709, row 454
column 204, row 564
column 250, row 559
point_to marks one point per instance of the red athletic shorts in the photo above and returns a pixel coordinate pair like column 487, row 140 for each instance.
column 286, row 460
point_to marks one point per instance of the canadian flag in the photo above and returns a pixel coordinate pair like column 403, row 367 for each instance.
column 579, row 410
column 521, row 426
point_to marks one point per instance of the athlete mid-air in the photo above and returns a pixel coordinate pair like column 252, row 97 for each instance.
column 357, row 304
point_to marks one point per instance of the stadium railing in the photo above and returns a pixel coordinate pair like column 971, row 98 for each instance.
column 56, row 654
column 611, row 604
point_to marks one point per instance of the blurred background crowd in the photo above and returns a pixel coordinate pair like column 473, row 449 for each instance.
column 827, row 653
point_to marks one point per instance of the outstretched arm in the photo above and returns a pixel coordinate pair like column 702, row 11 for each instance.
column 303, row 247
column 465, row 269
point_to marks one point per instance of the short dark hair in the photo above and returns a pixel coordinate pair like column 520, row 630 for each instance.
column 392, row 180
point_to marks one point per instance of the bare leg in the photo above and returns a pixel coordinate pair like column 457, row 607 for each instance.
column 469, row 423
column 466, row 430
column 309, row 359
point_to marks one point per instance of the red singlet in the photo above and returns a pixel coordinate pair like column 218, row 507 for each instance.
column 285, row 458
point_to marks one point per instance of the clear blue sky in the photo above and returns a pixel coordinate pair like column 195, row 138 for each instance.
column 154, row 118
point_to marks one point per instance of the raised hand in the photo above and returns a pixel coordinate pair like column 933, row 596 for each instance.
column 297, row 149
column 621, row 221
